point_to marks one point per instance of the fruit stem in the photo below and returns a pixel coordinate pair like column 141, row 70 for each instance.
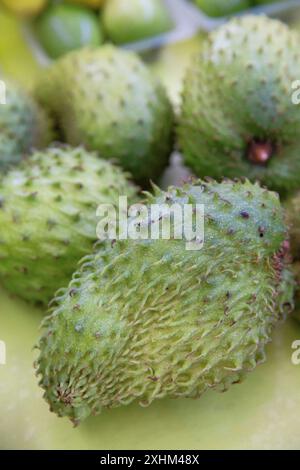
column 260, row 152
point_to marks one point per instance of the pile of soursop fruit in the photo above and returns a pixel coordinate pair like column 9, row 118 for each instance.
column 138, row 320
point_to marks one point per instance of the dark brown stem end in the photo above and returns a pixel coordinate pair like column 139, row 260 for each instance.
column 260, row 152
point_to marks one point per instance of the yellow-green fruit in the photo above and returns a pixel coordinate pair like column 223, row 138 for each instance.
column 25, row 7
column 108, row 100
column 48, row 208
column 135, row 20
column 24, row 125
column 238, row 118
column 147, row 319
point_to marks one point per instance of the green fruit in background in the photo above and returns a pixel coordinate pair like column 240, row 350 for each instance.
column 63, row 28
column 21, row 66
column 265, row 2
column 135, row 20
column 172, row 62
column 238, row 118
column 108, row 100
column 216, row 8
column 48, row 208
column 23, row 125
column 25, row 7
column 89, row 3
column 147, row 319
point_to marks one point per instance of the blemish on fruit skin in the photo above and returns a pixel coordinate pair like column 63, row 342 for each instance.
column 245, row 214
column 79, row 328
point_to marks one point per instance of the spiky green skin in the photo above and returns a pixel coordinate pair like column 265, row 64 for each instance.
column 107, row 99
column 292, row 207
column 147, row 319
column 23, row 126
column 48, row 214
column 239, row 90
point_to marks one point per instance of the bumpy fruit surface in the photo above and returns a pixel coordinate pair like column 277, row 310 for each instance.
column 222, row 7
column 146, row 319
column 135, row 20
column 48, row 218
column 23, row 126
column 238, row 118
column 108, row 100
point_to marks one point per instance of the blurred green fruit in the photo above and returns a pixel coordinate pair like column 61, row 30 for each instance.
column 62, row 28
column 216, row 8
column 172, row 62
column 21, row 66
column 261, row 413
column 108, row 100
column 135, row 20
column 89, row 3
column 25, row 7
column 265, row 2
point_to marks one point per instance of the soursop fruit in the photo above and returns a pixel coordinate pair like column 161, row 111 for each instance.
column 238, row 118
column 107, row 100
column 48, row 217
column 145, row 319
column 23, row 126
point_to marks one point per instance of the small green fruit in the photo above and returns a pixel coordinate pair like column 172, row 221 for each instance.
column 23, row 126
column 146, row 319
column 135, row 20
column 238, row 117
column 62, row 28
column 48, row 208
column 216, row 8
column 107, row 99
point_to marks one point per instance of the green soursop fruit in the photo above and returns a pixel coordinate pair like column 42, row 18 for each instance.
column 145, row 319
column 108, row 100
column 48, row 217
column 23, row 126
column 135, row 20
column 238, row 118
column 216, row 8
